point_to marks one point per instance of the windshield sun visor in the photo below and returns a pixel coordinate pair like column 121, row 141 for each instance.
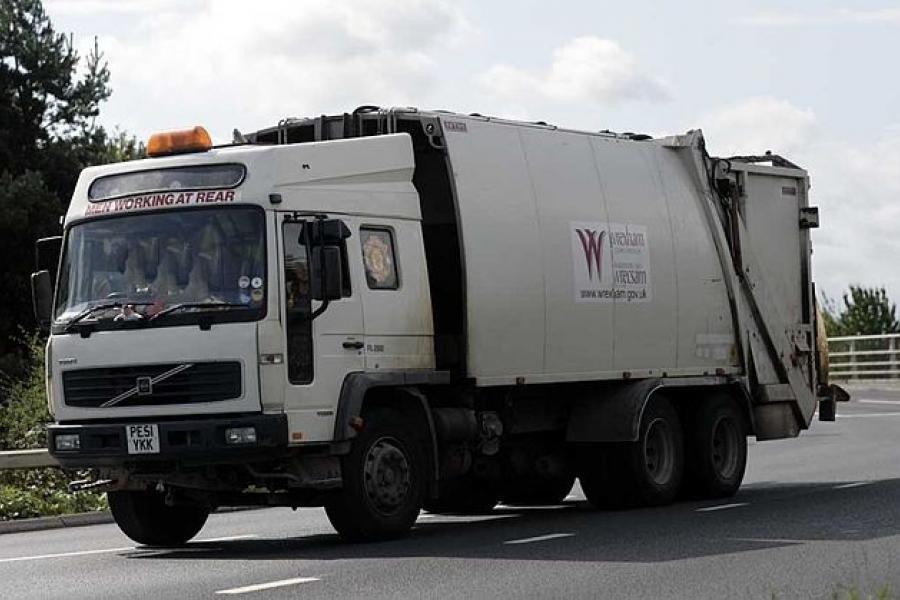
column 218, row 176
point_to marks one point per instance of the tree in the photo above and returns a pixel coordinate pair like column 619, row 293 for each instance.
column 867, row 311
column 48, row 133
column 828, row 313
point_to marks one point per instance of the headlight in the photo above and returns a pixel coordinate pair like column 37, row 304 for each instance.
column 240, row 435
column 67, row 441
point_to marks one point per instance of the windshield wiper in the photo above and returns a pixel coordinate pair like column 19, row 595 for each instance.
column 184, row 305
column 105, row 306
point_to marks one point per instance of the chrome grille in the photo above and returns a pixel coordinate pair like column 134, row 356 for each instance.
column 172, row 383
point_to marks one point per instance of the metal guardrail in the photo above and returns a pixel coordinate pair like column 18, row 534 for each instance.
column 26, row 459
column 872, row 357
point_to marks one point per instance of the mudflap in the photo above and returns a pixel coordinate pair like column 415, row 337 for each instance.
column 829, row 396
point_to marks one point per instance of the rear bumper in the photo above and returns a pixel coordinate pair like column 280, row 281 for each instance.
column 193, row 442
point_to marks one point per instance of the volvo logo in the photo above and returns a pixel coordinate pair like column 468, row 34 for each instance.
column 143, row 386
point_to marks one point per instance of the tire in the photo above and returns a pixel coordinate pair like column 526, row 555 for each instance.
column 144, row 517
column 637, row 474
column 716, row 450
column 539, row 491
column 464, row 496
column 384, row 481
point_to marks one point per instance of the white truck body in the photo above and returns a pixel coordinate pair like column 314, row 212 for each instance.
column 526, row 260
column 525, row 197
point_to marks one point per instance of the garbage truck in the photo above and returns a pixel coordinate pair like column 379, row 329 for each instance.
column 392, row 310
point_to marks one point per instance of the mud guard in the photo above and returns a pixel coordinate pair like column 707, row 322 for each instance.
column 613, row 412
column 353, row 392
column 356, row 385
column 614, row 416
column 829, row 396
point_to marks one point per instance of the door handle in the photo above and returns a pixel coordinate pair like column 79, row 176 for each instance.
column 353, row 345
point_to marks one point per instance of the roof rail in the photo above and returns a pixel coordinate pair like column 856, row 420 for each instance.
column 776, row 160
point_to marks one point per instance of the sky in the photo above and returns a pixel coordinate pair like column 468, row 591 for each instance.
column 815, row 81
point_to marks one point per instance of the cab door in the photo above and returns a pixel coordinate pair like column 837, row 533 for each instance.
column 319, row 352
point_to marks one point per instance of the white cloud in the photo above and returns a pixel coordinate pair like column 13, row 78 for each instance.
column 585, row 69
column 219, row 63
column 757, row 124
column 883, row 15
column 94, row 7
column 776, row 19
column 854, row 184
column 833, row 17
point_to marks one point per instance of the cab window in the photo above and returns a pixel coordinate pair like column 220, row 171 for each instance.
column 379, row 258
column 297, row 304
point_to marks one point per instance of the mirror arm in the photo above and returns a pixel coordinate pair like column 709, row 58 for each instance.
column 319, row 310
column 320, row 222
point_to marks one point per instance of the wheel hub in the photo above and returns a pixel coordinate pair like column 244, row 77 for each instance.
column 387, row 476
column 725, row 440
column 659, row 452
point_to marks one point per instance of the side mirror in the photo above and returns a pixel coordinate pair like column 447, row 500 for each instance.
column 42, row 298
column 326, row 281
column 327, row 231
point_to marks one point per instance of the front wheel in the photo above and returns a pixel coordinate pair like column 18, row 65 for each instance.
column 384, row 481
column 144, row 517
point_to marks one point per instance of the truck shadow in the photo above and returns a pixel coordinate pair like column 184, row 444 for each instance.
column 767, row 516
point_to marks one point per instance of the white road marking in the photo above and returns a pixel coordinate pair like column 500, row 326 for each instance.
column 529, row 506
column 65, row 554
column 855, row 484
column 722, row 506
column 540, row 538
column 268, row 586
column 571, row 497
column 478, row 518
column 771, row 540
column 894, row 402
column 229, row 538
column 861, row 415
column 121, row 549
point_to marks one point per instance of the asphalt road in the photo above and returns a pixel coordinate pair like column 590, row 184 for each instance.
column 816, row 515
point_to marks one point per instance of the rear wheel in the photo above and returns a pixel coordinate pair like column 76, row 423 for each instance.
column 643, row 473
column 384, row 481
column 144, row 517
column 716, row 449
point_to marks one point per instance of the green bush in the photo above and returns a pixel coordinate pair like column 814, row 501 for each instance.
column 41, row 493
column 34, row 492
column 24, row 414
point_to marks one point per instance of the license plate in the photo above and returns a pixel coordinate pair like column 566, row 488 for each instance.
column 142, row 439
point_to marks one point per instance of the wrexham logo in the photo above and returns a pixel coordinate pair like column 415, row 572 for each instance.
column 592, row 244
column 611, row 262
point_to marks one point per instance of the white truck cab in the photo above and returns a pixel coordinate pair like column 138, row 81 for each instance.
column 392, row 309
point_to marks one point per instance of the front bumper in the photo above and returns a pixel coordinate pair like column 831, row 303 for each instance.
column 189, row 442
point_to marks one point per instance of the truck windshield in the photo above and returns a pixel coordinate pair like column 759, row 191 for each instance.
column 130, row 268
